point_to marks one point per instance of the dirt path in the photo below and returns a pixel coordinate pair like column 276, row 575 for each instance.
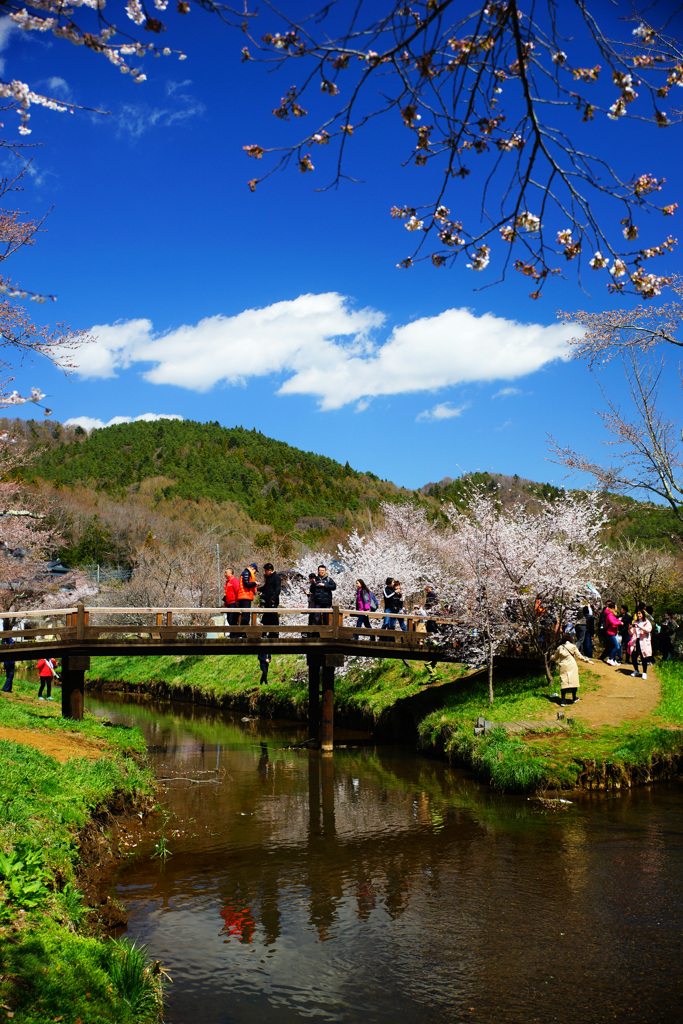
column 58, row 743
column 618, row 697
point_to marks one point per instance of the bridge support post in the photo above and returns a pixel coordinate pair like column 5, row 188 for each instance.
column 327, row 730
column 314, row 665
column 73, row 685
column 331, row 662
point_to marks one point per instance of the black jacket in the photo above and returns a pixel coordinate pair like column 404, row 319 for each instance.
column 321, row 592
column 270, row 590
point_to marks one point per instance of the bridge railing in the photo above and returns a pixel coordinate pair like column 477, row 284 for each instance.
column 81, row 623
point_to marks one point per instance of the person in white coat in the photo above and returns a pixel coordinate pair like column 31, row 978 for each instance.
column 565, row 656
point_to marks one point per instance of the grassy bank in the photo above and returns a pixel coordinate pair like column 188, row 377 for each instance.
column 391, row 698
column 539, row 759
column 51, row 966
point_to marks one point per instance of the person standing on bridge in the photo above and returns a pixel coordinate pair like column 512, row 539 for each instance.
column 388, row 594
column 270, row 597
column 363, row 604
column 246, row 592
column 321, row 589
column 232, row 586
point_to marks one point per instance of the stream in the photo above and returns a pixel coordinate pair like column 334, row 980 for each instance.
column 379, row 885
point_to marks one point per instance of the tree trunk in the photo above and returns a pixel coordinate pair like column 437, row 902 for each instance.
column 490, row 665
column 548, row 668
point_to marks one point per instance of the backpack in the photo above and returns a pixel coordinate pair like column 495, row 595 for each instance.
column 374, row 603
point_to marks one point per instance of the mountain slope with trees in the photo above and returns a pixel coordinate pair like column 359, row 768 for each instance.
column 173, row 483
column 270, row 481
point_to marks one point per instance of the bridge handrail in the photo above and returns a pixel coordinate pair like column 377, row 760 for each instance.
column 257, row 609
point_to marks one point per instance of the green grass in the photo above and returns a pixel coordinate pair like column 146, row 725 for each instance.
column 23, row 711
column 48, row 967
column 54, row 974
column 671, row 677
column 549, row 759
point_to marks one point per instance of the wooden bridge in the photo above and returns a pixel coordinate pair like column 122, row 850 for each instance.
column 76, row 634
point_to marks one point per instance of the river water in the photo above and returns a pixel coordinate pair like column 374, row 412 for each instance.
column 376, row 885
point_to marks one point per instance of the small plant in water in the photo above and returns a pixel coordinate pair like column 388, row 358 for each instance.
column 161, row 849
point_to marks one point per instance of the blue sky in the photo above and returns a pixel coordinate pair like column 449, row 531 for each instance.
column 284, row 309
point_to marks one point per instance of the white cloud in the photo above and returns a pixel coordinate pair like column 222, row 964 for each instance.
column 507, row 392
column 135, row 119
column 323, row 348
column 90, row 423
column 59, row 87
column 443, row 411
column 7, row 28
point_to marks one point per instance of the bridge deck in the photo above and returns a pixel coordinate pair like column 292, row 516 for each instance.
column 77, row 634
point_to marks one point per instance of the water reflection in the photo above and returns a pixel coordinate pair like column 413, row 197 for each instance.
column 373, row 883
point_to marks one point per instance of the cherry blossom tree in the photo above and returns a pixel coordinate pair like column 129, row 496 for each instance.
column 488, row 92
column 550, row 555
column 483, row 625
column 20, row 337
column 627, row 332
column 402, row 544
column 645, row 443
column 28, row 534
column 494, row 96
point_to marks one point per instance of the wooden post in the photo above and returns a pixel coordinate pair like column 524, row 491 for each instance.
column 327, row 724
column 313, row 701
column 80, row 621
column 159, row 618
column 73, row 685
column 336, row 621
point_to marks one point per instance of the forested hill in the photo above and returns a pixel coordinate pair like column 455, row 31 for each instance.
column 273, row 482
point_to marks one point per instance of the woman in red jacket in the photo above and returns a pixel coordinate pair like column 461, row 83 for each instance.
column 46, row 670
column 232, row 585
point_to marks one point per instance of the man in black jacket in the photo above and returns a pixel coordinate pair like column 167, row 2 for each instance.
column 320, row 591
column 270, row 597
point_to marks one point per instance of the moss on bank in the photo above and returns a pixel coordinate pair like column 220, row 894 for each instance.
column 393, row 700
column 51, row 967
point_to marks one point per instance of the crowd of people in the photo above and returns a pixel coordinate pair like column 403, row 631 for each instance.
column 242, row 591
column 625, row 638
